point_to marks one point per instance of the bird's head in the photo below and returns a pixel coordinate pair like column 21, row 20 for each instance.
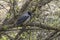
column 29, row 13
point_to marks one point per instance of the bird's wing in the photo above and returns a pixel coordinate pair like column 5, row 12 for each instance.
column 21, row 20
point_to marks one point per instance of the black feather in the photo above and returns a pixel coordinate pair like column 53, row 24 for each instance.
column 30, row 13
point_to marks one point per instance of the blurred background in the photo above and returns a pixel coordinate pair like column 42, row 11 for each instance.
column 44, row 24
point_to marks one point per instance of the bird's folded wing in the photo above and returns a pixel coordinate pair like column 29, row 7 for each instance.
column 21, row 20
